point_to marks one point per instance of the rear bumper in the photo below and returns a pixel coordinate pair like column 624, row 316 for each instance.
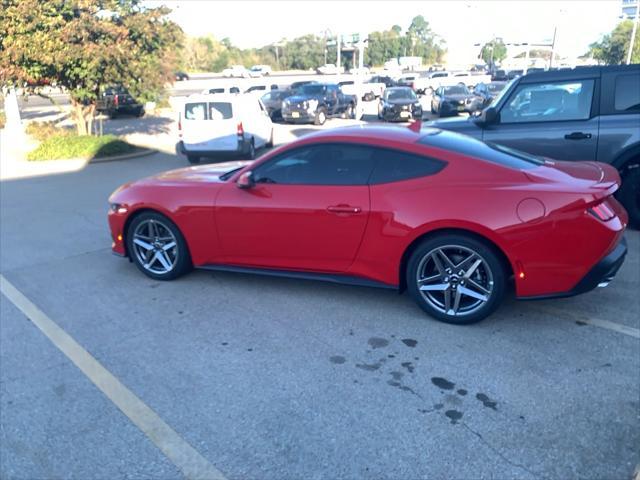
column 599, row 276
column 243, row 147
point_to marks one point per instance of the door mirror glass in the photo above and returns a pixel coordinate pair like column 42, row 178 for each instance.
column 245, row 180
column 488, row 116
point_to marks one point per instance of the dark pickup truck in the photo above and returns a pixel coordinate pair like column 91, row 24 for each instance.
column 315, row 102
column 116, row 100
column 586, row 113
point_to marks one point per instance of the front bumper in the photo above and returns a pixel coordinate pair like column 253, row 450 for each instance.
column 394, row 115
column 294, row 115
column 599, row 276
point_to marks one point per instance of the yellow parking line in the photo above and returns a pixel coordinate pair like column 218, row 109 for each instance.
column 184, row 456
column 583, row 319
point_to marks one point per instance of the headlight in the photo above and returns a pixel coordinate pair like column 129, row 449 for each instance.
column 118, row 208
column 285, row 102
column 417, row 105
column 311, row 104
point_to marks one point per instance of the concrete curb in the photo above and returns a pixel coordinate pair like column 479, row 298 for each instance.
column 143, row 152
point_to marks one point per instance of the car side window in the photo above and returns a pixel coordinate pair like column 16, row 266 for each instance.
column 328, row 164
column 549, row 102
column 195, row 111
column 627, row 93
column 394, row 166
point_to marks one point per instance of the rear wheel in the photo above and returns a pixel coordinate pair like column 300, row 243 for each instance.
column 629, row 194
column 349, row 112
column 157, row 247
column 456, row 278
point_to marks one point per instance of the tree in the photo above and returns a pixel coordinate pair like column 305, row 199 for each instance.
column 612, row 49
column 85, row 45
column 494, row 51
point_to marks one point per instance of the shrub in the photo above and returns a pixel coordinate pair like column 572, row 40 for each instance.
column 44, row 130
column 66, row 146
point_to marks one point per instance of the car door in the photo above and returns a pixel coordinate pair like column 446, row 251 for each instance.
column 557, row 119
column 307, row 210
column 331, row 99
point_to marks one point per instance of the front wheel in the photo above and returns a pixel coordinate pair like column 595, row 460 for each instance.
column 157, row 247
column 629, row 194
column 321, row 117
column 456, row 278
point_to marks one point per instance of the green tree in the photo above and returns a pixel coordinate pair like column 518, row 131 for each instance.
column 494, row 50
column 84, row 45
column 612, row 48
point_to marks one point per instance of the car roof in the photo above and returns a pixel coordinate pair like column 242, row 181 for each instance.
column 218, row 97
column 578, row 72
column 366, row 133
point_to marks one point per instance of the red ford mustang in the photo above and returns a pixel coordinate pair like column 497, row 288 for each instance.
column 445, row 216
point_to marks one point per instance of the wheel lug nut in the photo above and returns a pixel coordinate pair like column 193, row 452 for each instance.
column 446, row 279
column 461, row 273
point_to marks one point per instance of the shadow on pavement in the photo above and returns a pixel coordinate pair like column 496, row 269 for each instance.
column 127, row 125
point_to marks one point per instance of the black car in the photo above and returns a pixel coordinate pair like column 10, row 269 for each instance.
column 399, row 104
column 500, row 76
column 315, row 102
column 181, row 76
column 273, row 102
column 116, row 100
column 451, row 100
column 484, row 93
column 514, row 73
column 388, row 81
column 297, row 85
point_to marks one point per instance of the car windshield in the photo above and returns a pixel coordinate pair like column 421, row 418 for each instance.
column 400, row 94
column 312, row 89
column 502, row 93
column 456, row 90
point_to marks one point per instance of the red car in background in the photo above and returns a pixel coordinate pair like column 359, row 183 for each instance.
column 444, row 216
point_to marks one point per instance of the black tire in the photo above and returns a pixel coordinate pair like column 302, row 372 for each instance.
column 112, row 114
column 193, row 159
column 251, row 152
column 140, row 112
column 270, row 142
column 490, row 270
column 433, row 110
column 321, row 116
column 629, row 194
column 349, row 112
column 182, row 258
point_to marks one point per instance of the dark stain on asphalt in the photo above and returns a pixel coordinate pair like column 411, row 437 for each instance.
column 486, row 401
column 372, row 367
column 249, row 349
column 391, row 356
column 462, row 391
column 180, row 312
column 60, row 389
column 442, row 383
column 397, row 375
column 393, row 383
column 452, row 399
column 224, row 344
column 453, row 415
column 416, row 358
column 408, row 365
column 438, row 406
column 582, row 324
column 351, row 332
column 377, row 342
column 409, row 342
column 337, row 359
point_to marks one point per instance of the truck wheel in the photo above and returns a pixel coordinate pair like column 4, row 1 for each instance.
column 349, row 112
column 321, row 116
column 629, row 194
column 270, row 142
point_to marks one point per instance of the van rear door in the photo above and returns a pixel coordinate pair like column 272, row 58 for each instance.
column 209, row 126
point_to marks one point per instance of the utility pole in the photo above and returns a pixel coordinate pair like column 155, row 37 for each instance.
column 633, row 32
column 553, row 47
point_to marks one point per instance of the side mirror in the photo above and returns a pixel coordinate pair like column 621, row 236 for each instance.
column 245, row 180
column 488, row 116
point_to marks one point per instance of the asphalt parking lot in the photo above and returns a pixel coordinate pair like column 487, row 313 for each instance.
column 270, row 378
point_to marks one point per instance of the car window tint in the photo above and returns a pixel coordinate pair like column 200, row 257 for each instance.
column 489, row 152
column 195, row 111
column 549, row 102
column 329, row 164
column 220, row 111
column 627, row 93
column 394, row 165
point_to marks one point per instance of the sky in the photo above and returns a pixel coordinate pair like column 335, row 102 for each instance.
column 251, row 23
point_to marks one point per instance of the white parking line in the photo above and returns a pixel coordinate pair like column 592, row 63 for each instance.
column 583, row 319
column 184, row 456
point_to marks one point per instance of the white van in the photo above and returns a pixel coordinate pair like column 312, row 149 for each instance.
column 210, row 125
column 221, row 89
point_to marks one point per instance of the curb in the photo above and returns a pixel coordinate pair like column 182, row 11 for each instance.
column 144, row 152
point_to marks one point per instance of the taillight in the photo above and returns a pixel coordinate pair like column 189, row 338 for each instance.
column 180, row 125
column 602, row 212
column 116, row 100
column 240, row 130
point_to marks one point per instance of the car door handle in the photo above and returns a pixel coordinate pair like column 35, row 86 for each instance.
column 348, row 209
column 577, row 136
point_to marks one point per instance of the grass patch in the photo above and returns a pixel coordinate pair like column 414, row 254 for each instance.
column 66, row 146
column 43, row 130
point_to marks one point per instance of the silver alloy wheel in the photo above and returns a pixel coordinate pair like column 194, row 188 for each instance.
column 321, row 117
column 455, row 280
column 155, row 247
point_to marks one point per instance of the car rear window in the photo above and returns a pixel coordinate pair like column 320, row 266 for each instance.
column 627, row 93
column 394, row 166
column 220, row 111
column 195, row 111
column 490, row 152
column 216, row 111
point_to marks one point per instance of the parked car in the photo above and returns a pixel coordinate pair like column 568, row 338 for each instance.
column 260, row 71
column 590, row 113
column 484, row 93
column 434, row 80
column 315, row 102
column 329, row 69
column 273, row 102
column 511, row 74
column 408, row 80
column 452, row 100
column 236, row 71
column 210, row 125
column 222, row 89
column 116, row 100
column 258, row 89
column 385, row 80
column 455, row 221
column 399, row 104
column 181, row 76
column 500, row 76
column 297, row 85
column 360, row 71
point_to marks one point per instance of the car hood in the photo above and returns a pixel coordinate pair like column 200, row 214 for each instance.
column 197, row 174
column 402, row 101
column 302, row 98
column 455, row 98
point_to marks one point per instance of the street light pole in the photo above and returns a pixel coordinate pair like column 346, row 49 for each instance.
column 633, row 32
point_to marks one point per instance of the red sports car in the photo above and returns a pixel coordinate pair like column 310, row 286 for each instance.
column 444, row 216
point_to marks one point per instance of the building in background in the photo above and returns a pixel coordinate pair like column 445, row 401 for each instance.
column 628, row 9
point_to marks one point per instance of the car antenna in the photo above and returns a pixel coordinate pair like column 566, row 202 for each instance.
column 416, row 126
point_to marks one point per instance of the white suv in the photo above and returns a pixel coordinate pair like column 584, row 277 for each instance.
column 210, row 125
